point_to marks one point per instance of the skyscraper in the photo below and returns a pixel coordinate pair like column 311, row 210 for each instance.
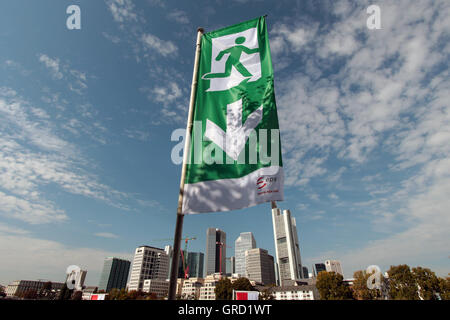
column 244, row 242
column 305, row 273
column 216, row 241
column 286, row 246
column 231, row 266
column 148, row 263
column 193, row 264
column 320, row 267
column 259, row 266
column 114, row 274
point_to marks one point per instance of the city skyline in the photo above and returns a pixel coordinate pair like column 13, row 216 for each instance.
column 114, row 268
column 87, row 117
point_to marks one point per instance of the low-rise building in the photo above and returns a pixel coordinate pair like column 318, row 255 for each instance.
column 19, row 287
column 207, row 290
column 190, row 288
column 303, row 292
column 88, row 292
column 157, row 286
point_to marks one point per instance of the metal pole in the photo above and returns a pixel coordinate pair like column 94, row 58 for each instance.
column 186, row 153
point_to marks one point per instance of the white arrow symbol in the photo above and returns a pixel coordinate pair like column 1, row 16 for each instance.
column 233, row 141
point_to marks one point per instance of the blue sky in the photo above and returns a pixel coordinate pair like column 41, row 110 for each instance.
column 86, row 118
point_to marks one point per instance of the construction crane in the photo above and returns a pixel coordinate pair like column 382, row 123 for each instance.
column 186, row 239
column 221, row 244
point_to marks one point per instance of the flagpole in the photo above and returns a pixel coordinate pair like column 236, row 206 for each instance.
column 186, row 153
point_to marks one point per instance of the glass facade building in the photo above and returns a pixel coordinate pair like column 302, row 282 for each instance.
column 213, row 258
column 244, row 242
column 320, row 267
column 114, row 274
column 286, row 246
column 193, row 263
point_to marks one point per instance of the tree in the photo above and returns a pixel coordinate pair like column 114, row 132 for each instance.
column 242, row 284
column 65, row 293
column 266, row 293
column 444, row 288
column 224, row 289
column 402, row 283
column 77, row 295
column 132, row 295
column 332, row 287
column 47, row 286
column 30, row 294
column 113, row 294
column 123, row 295
column 427, row 283
column 360, row 289
column 46, row 289
column 116, row 294
column 151, row 296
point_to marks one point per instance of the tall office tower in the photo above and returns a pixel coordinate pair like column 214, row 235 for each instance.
column 214, row 239
column 231, row 266
column 148, row 263
column 319, row 267
column 193, row 262
column 334, row 266
column 244, row 242
column 305, row 273
column 260, row 266
column 286, row 246
column 114, row 274
column 277, row 274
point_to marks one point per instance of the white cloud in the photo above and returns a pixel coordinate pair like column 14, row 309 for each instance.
column 333, row 196
column 423, row 242
column 8, row 229
column 122, row 10
column 30, row 258
column 32, row 155
column 167, row 94
column 76, row 79
column 33, row 211
column 52, row 64
column 107, row 235
column 140, row 135
column 153, row 43
column 113, row 38
column 337, row 175
column 171, row 100
column 17, row 66
column 390, row 96
column 286, row 39
column 314, row 196
column 178, row 16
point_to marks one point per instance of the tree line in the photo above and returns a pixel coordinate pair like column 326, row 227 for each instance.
column 402, row 283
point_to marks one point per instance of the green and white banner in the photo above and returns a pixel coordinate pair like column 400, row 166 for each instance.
column 235, row 157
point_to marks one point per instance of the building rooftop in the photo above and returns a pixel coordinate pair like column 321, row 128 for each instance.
column 293, row 288
column 145, row 246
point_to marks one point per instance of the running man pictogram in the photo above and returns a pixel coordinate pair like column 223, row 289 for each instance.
column 233, row 60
